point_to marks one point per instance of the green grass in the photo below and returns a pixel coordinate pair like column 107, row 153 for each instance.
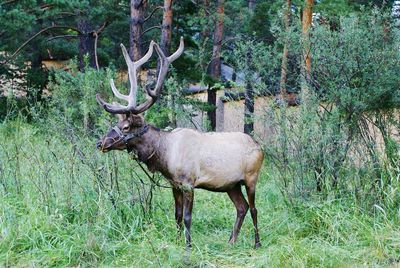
column 56, row 209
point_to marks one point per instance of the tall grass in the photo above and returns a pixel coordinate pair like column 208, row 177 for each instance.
column 327, row 197
column 62, row 203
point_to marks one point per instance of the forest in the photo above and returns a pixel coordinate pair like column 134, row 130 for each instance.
column 314, row 83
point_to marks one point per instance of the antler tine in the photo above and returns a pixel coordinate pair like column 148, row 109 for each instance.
column 152, row 94
column 132, row 78
column 146, row 57
column 178, row 52
column 164, row 64
column 116, row 92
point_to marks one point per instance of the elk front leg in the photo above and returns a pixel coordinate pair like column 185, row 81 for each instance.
column 188, row 196
column 178, row 196
column 241, row 205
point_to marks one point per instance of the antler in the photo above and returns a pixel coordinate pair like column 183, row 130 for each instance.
column 151, row 94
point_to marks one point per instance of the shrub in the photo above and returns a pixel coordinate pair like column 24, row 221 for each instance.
column 341, row 140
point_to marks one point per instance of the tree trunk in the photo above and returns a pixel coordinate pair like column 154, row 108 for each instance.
column 36, row 78
column 166, row 31
column 249, row 98
column 215, row 65
column 396, row 13
column 284, row 66
column 135, row 27
column 86, row 44
column 206, row 31
column 252, row 4
column 165, row 45
column 306, row 24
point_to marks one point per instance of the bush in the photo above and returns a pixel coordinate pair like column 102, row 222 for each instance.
column 341, row 141
column 74, row 96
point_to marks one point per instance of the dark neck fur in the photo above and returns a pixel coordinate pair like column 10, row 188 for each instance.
column 151, row 151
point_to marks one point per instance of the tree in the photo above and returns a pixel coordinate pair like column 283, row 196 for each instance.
column 282, row 85
column 306, row 25
column 85, row 43
column 135, row 28
column 252, row 4
column 27, row 27
column 206, row 31
column 215, row 65
column 166, row 31
column 249, row 97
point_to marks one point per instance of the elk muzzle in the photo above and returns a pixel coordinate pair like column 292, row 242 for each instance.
column 99, row 144
column 112, row 141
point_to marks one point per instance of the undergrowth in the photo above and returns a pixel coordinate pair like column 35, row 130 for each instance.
column 65, row 204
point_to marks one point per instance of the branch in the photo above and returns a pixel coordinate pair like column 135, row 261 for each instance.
column 62, row 15
column 61, row 36
column 102, row 27
column 95, row 50
column 152, row 12
column 8, row 2
column 206, row 9
column 230, row 39
column 96, row 37
column 149, row 29
column 37, row 34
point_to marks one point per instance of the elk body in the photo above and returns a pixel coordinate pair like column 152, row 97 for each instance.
column 188, row 159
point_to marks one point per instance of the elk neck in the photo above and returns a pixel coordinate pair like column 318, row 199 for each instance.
column 150, row 149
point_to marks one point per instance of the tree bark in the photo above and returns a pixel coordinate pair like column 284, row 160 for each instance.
column 206, row 31
column 85, row 44
column 215, row 65
column 249, row 98
column 306, row 24
column 166, row 31
column 396, row 13
column 285, row 55
column 252, row 4
column 135, row 29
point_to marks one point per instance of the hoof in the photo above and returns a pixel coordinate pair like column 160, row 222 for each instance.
column 257, row 245
column 231, row 241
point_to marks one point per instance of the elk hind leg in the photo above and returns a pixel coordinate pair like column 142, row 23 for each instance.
column 251, row 194
column 241, row 205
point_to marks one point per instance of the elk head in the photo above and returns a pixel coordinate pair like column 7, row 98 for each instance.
column 131, row 123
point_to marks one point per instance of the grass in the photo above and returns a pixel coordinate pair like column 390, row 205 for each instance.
column 65, row 205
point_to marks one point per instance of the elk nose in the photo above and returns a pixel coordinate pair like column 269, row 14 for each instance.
column 99, row 144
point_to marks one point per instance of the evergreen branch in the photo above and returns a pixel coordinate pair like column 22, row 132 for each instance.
column 37, row 34
column 152, row 13
column 151, row 28
column 61, row 36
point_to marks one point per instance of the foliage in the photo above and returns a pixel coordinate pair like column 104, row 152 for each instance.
column 73, row 96
column 64, row 204
column 340, row 141
column 329, row 190
column 257, row 64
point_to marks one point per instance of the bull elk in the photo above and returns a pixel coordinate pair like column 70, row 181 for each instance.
column 188, row 159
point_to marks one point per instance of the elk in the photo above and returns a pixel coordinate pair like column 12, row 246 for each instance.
column 188, row 159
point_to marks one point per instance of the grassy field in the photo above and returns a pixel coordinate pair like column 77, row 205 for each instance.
column 69, row 205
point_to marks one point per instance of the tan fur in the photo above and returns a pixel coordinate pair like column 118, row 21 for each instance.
column 215, row 161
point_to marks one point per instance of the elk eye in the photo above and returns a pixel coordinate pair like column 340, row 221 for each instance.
column 125, row 128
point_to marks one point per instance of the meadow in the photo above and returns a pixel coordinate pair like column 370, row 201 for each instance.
column 329, row 191
column 63, row 203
